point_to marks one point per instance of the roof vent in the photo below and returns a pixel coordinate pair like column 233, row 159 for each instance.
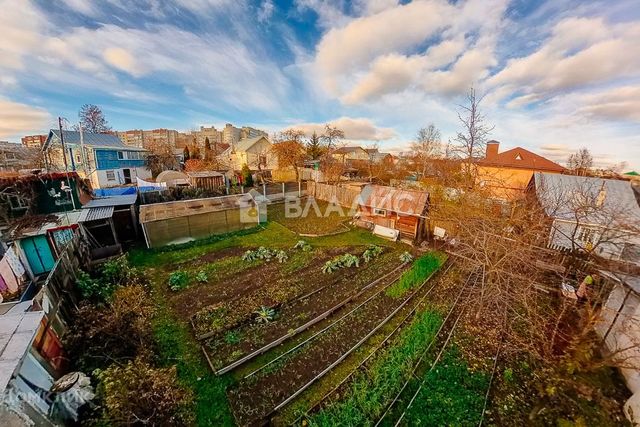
column 518, row 156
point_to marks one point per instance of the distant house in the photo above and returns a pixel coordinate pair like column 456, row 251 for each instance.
column 395, row 210
column 14, row 157
column 99, row 157
column 506, row 175
column 254, row 152
column 590, row 214
column 348, row 155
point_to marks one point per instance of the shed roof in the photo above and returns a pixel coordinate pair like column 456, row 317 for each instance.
column 408, row 202
column 346, row 150
column 598, row 201
column 95, row 214
column 168, row 210
column 16, row 333
column 204, row 174
column 122, row 200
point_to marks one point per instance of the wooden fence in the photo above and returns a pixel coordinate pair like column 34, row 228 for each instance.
column 289, row 175
column 345, row 196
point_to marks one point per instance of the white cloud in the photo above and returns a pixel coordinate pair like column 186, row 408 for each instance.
column 616, row 103
column 375, row 54
column 580, row 52
column 266, row 11
column 17, row 119
column 359, row 129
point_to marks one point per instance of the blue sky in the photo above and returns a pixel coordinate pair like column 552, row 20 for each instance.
column 556, row 75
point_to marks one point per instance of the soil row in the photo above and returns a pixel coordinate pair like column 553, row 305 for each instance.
column 255, row 398
column 335, row 288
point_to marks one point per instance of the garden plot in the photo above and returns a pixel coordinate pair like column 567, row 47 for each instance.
column 323, row 292
column 256, row 397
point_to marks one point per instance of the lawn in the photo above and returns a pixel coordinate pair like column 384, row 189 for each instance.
column 310, row 216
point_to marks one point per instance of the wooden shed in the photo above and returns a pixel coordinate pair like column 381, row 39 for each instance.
column 210, row 180
column 186, row 220
column 393, row 208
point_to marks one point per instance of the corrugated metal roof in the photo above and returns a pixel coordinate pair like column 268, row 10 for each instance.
column 168, row 210
column 16, row 333
column 598, row 201
column 125, row 199
column 96, row 140
column 95, row 214
column 395, row 199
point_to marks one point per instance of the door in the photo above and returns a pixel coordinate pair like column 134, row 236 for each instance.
column 38, row 253
column 127, row 175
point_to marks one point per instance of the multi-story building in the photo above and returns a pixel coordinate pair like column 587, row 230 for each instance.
column 148, row 138
column 249, row 132
column 101, row 158
column 34, row 141
column 230, row 134
column 214, row 135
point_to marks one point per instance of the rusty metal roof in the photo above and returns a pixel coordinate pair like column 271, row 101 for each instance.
column 394, row 199
column 168, row 210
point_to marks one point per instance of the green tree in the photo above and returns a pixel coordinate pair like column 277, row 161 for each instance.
column 314, row 146
column 186, row 154
column 247, row 178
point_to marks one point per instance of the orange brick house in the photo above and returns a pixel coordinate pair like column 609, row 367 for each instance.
column 506, row 175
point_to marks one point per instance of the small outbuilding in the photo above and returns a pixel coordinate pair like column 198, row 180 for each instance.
column 208, row 180
column 394, row 212
column 186, row 220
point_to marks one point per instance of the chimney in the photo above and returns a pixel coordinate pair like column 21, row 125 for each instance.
column 492, row 150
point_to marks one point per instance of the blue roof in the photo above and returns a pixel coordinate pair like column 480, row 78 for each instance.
column 95, row 140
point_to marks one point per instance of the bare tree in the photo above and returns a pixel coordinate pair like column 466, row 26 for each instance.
column 470, row 143
column 427, row 146
column 290, row 135
column 580, row 162
column 290, row 154
column 331, row 136
column 92, row 119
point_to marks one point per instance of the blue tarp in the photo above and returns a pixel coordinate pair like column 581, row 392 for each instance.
column 116, row 191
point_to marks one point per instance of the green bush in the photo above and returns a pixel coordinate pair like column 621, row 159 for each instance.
column 422, row 268
column 93, row 289
column 178, row 280
column 247, row 177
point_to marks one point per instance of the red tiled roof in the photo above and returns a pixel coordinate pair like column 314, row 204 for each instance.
column 521, row 158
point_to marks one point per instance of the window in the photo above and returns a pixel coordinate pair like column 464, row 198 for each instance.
column 587, row 236
column 518, row 157
column 120, row 155
column 379, row 212
column 111, row 176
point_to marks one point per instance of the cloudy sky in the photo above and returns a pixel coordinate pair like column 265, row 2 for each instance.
column 556, row 75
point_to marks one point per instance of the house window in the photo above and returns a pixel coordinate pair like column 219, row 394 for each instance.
column 111, row 176
column 120, row 155
column 518, row 157
column 587, row 236
column 379, row 212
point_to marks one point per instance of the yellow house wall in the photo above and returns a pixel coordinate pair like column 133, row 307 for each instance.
column 504, row 183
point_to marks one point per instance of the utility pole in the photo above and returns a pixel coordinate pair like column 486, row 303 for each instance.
column 66, row 166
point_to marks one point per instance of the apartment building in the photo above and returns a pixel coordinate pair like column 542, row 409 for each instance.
column 34, row 141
